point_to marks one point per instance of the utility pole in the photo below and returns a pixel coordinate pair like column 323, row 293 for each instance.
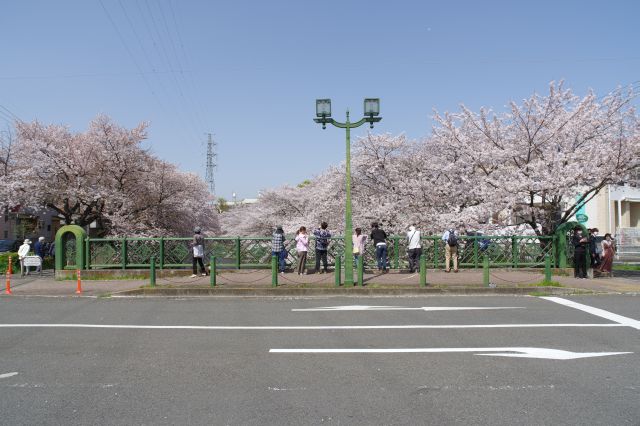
column 211, row 165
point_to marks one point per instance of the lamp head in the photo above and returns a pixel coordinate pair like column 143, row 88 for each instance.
column 323, row 108
column 372, row 107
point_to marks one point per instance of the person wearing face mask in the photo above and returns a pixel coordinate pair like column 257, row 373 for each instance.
column 580, row 244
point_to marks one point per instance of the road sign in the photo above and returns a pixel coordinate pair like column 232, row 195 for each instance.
column 582, row 218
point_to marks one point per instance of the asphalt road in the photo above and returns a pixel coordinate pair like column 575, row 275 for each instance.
column 59, row 369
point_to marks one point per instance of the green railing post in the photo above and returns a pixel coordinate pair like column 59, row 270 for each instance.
column 547, row 268
column 237, row 252
column 161, row 252
column 213, row 271
column 346, row 282
column 152, row 272
column 514, row 251
column 360, row 267
column 274, row 271
column 338, row 271
column 485, row 271
column 396, row 252
column 475, row 252
column 561, row 244
column 423, row 271
column 87, row 254
column 435, row 253
column 124, row 253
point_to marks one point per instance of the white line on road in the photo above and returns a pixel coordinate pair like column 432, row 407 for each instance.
column 6, row 375
column 515, row 352
column 400, row 308
column 627, row 322
column 302, row 327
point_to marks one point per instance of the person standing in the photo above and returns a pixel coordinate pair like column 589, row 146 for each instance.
column 608, row 252
column 302, row 247
column 379, row 238
column 580, row 243
column 277, row 248
column 358, row 245
column 198, row 252
column 322, row 245
column 594, row 248
column 39, row 248
column 450, row 239
column 415, row 249
column 23, row 252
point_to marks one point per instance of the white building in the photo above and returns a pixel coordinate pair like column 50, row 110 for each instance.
column 616, row 210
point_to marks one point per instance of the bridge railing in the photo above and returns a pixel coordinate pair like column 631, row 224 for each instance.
column 255, row 252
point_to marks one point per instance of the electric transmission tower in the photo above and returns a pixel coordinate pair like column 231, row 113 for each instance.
column 211, row 165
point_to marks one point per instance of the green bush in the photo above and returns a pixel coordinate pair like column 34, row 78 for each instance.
column 4, row 262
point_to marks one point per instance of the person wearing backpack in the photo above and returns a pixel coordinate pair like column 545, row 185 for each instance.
column 197, row 246
column 450, row 239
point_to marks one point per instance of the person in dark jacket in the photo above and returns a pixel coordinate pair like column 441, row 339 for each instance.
column 580, row 244
column 322, row 246
column 278, row 249
column 39, row 248
column 593, row 248
column 379, row 238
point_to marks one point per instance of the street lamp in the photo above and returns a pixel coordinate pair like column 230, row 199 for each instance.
column 323, row 116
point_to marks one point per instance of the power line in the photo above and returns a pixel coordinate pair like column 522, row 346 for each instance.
column 151, row 64
column 163, row 54
column 189, row 96
column 131, row 55
column 201, row 108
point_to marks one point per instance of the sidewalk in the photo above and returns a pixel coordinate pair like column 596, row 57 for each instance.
column 254, row 282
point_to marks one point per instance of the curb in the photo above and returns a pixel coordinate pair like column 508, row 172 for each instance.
column 355, row 291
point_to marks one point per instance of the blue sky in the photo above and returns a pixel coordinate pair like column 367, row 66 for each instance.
column 249, row 71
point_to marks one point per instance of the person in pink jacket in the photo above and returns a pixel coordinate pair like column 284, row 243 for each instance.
column 358, row 245
column 302, row 247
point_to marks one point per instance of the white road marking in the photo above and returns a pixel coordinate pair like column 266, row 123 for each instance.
column 6, row 375
column 625, row 321
column 303, row 327
column 400, row 308
column 516, row 352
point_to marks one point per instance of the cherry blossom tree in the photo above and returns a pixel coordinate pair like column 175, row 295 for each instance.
column 105, row 175
column 535, row 164
column 544, row 158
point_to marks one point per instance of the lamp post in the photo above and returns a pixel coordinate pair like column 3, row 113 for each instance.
column 323, row 116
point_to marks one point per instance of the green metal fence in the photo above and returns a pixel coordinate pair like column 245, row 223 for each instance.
column 255, row 252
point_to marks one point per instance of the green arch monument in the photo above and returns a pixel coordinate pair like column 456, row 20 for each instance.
column 70, row 242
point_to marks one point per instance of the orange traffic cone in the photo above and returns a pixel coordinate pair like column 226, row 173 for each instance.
column 79, row 289
column 8, row 290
